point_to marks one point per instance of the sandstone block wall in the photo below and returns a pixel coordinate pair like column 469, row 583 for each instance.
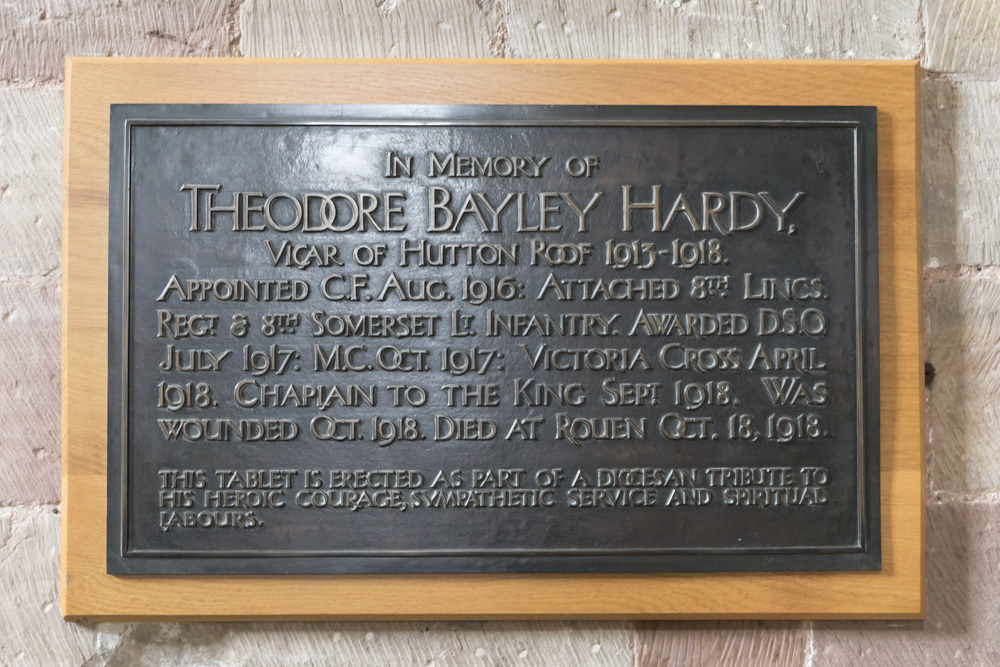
column 958, row 42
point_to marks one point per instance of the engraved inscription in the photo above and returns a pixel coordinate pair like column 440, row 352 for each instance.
column 629, row 339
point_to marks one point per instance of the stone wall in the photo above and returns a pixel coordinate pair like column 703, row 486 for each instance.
column 959, row 44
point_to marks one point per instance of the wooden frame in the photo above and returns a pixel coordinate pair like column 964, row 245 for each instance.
column 92, row 84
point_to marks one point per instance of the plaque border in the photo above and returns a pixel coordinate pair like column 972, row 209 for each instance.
column 93, row 84
column 863, row 554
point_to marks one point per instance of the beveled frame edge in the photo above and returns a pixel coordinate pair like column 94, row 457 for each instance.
column 78, row 606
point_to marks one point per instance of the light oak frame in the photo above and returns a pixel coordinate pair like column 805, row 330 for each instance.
column 93, row 84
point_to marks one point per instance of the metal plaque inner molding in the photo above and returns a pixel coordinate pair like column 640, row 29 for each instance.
column 492, row 339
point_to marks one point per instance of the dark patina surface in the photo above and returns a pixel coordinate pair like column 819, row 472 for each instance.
column 826, row 152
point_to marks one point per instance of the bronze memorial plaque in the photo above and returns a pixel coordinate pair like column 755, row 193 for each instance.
column 349, row 339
